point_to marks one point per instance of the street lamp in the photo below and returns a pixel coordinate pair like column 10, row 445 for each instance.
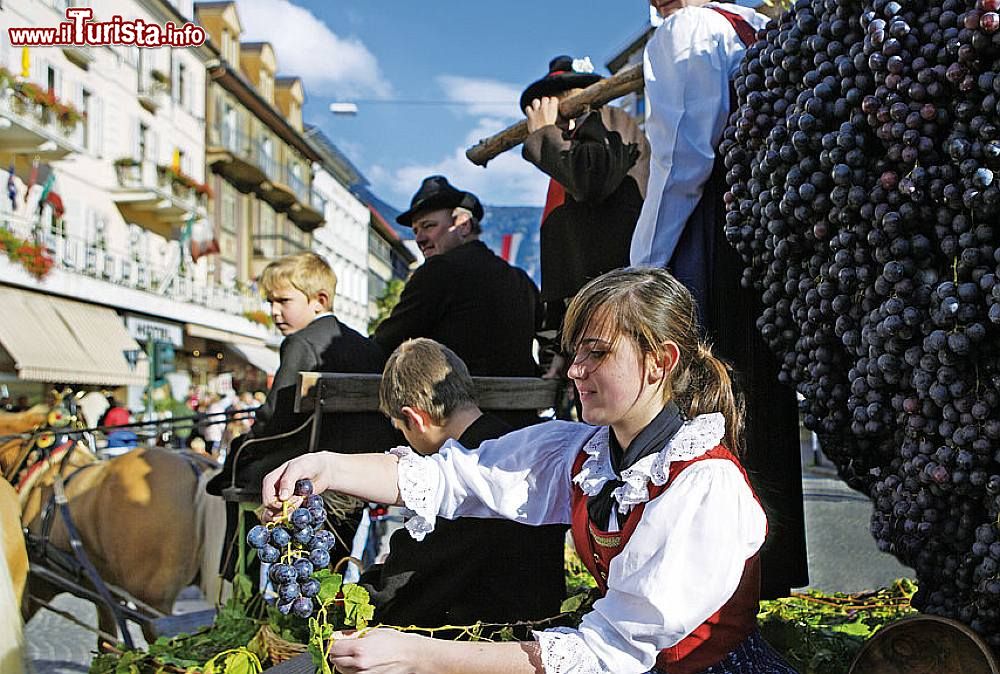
column 345, row 109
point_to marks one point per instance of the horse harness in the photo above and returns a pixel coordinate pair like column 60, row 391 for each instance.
column 77, row 564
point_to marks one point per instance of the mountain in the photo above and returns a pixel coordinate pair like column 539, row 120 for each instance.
column 523, row 220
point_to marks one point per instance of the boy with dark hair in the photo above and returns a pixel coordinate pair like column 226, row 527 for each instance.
column 467, row 570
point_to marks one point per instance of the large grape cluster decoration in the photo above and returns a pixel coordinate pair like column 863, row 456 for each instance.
column 296, row 546
column 864, row 170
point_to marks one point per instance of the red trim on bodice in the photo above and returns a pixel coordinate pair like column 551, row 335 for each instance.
column 720, row 633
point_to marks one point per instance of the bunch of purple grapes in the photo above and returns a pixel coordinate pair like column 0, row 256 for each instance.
column 296, row 546
column 864, row 172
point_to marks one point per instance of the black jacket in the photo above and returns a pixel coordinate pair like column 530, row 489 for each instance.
column 325, row 345
column 471, row 569
column 473, row 302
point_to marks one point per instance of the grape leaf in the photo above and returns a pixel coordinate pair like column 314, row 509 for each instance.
column 329, row 587
column 357, row 606
column 241, row 662
column 571, row 604
column 857, row 628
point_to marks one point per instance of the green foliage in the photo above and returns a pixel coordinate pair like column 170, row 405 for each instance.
column 821, row 633
column 230, row 633
column 385, row 303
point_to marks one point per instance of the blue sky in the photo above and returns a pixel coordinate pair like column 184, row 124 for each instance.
column 434, row 50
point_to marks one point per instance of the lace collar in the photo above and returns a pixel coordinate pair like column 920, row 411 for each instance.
column 694, row 438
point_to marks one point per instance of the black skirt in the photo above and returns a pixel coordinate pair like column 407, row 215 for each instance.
column 711, row 268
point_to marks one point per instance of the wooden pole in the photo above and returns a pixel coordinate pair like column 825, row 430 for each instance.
column 623, row 82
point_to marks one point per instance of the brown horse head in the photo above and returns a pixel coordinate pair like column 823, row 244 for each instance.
column 14, row 424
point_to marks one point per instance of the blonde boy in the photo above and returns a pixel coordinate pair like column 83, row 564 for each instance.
column 301, row 290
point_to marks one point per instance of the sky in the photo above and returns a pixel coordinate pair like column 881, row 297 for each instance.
column 437, row 50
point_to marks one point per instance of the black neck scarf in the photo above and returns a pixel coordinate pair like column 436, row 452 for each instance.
column 650, row 440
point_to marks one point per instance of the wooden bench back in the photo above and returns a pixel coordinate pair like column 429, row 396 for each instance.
column 336, row 392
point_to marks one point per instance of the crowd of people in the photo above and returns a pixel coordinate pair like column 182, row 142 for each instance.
column 679, row 478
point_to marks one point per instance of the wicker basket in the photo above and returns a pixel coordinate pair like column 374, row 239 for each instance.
column 275, row 647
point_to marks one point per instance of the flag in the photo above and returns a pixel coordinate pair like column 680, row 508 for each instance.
column 12, row 188
column 47, row 187
column 32, row 177
column 202, row 248
column 56, row 202
column 25, row 63
column 175, row 162
column 184, row 241
column 509, row 245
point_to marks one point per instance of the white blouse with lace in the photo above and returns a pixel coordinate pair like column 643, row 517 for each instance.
column 687, row 65
column 682, row 563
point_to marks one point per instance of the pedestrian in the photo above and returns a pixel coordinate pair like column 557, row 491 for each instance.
column 661, row 511
column 597, row 164
column 689, row 63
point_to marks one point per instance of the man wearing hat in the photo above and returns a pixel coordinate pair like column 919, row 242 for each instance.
column 597, row 164
column 463, row 295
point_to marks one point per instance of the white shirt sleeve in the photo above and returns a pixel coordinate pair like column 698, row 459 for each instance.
column 682, row 564
column 523, row 476
column 687, row 65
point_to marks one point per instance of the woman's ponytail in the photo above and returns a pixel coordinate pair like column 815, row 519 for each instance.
column 706, row 386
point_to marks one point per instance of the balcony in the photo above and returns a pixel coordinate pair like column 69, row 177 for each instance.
column 28, row 126
column 278, row 190
column 122, row 269
column 308, row 211
column 155, row 197
column 233, row 155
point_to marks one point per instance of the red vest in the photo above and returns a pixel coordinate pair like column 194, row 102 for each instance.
column 720, row 633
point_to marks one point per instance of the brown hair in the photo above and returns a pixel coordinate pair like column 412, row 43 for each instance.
column 650, row 307
column 306, row 272
column 428, row 376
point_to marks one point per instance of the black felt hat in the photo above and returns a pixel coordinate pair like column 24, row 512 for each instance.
column 562, row 77
column 436, row 192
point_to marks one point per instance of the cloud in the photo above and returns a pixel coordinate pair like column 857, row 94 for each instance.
column 508, row 180
column 499, row 98
column 306, row 47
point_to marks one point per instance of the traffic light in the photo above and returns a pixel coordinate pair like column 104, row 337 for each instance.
column 163, row 360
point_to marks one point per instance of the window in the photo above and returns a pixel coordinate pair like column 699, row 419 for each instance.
column 228, row 209
column 182, row 84
column 144, row 147
column 87, row 110
column 376, row 286
column 226, row 40
column 54, row 81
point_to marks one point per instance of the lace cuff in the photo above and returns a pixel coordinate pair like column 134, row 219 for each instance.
column 565, row 652
column 417, row 483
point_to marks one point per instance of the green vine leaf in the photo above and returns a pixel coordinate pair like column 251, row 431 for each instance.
column 357, row 606
column 329, row 586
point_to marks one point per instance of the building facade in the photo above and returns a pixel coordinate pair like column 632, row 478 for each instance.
column 343, row 240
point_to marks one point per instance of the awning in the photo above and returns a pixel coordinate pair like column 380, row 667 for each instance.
column 53, row 339
column 205, row 332
column 261, row 357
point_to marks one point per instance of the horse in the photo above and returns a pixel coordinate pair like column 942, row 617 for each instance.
column 13, row 574
column 141, row 516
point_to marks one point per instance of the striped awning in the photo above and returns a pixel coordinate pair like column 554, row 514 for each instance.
column 261, row 357
column 53, row 339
